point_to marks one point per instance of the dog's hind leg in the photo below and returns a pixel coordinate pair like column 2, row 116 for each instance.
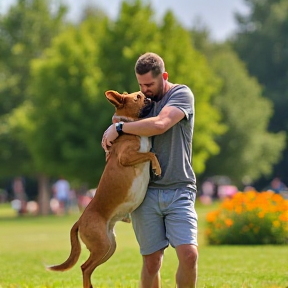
column 95, row 260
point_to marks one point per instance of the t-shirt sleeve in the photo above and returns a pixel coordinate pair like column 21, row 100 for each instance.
column 183, row 99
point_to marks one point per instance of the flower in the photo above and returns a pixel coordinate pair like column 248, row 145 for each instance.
column 249, row 218
column 229, row 222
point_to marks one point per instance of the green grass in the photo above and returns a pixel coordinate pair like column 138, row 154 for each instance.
column 27, row 243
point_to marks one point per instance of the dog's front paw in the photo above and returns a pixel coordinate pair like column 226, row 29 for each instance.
column 156, row 174
column 126, row 218
column 157, row 171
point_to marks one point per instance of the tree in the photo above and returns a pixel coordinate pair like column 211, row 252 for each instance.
column 25, row 31
column 248, row 150
column 67, row 109
column 261, row 43
column 63, row 118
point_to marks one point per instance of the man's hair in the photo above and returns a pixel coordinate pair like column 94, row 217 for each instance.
column 150, row 62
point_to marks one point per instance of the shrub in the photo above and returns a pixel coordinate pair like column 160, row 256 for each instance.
column 249, row 218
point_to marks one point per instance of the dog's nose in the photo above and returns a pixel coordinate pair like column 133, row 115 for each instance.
column 147, row 100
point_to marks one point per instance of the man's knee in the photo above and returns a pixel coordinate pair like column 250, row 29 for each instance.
column 187, row 255
column 153, row 262
column 192, row 257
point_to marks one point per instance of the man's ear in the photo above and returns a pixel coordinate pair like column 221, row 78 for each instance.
column 165, row 75
column 115, row 98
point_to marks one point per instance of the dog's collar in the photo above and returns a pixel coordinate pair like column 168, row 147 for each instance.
column 117, row 118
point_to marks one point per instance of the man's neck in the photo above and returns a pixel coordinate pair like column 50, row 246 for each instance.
column 167, row 87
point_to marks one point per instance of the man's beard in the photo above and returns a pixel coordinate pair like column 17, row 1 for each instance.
column 157, row 98
column 159, row 95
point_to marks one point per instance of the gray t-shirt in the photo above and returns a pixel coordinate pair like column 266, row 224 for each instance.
column 174, row 147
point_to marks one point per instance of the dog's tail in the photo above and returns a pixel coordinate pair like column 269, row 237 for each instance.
column 74, row 254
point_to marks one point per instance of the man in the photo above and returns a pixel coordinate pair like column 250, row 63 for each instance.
column 61, row 190
column 167, row 214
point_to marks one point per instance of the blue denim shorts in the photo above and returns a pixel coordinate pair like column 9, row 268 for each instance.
column 165, row 217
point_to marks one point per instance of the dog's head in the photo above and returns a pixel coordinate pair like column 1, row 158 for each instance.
column 131, row 106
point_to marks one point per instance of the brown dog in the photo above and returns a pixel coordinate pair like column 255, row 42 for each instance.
column 121, row 190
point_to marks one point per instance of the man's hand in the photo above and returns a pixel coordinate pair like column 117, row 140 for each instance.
column 108, row 137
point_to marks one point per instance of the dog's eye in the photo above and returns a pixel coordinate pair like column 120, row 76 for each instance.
column 138, row 97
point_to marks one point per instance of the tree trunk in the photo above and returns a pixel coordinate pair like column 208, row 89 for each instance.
column 44, row 195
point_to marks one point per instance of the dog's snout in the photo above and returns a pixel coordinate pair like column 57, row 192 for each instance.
column 147, row 100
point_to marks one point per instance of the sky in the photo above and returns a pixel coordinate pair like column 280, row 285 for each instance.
column 216, row 15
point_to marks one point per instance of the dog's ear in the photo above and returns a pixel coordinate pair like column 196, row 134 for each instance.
column 115, row 98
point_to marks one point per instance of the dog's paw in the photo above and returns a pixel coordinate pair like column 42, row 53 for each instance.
column 157, row 171
column 156, row 174
column 126, row 218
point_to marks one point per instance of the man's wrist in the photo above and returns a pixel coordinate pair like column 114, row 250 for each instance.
column 119, row 127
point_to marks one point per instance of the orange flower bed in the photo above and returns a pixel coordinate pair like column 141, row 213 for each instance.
column 249, row 218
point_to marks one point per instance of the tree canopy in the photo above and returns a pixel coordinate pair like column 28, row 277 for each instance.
column 248, row 150
column 262, row 43
column 25, row 30
column 67, row 110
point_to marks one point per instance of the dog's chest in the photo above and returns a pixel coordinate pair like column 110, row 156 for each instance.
column 145, row 144
column 139, row 185
column 138, row 188
column 136, row 192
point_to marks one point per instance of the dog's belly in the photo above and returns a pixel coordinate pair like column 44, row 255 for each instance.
column 139, row 185
column 135, row 194
column 138, row 189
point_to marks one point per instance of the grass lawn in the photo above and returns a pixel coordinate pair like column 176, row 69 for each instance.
column 28, row 243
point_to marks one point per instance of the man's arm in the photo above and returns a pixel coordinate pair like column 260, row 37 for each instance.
column 167, row 118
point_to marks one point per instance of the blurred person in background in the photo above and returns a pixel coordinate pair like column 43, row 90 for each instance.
column 19, row 195
column 277, row 185
column 61, row 192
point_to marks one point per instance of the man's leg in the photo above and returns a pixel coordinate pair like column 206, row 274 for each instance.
column 186, row 276
column 150, row 274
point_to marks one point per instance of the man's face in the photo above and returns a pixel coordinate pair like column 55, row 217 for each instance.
column 149, row 86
